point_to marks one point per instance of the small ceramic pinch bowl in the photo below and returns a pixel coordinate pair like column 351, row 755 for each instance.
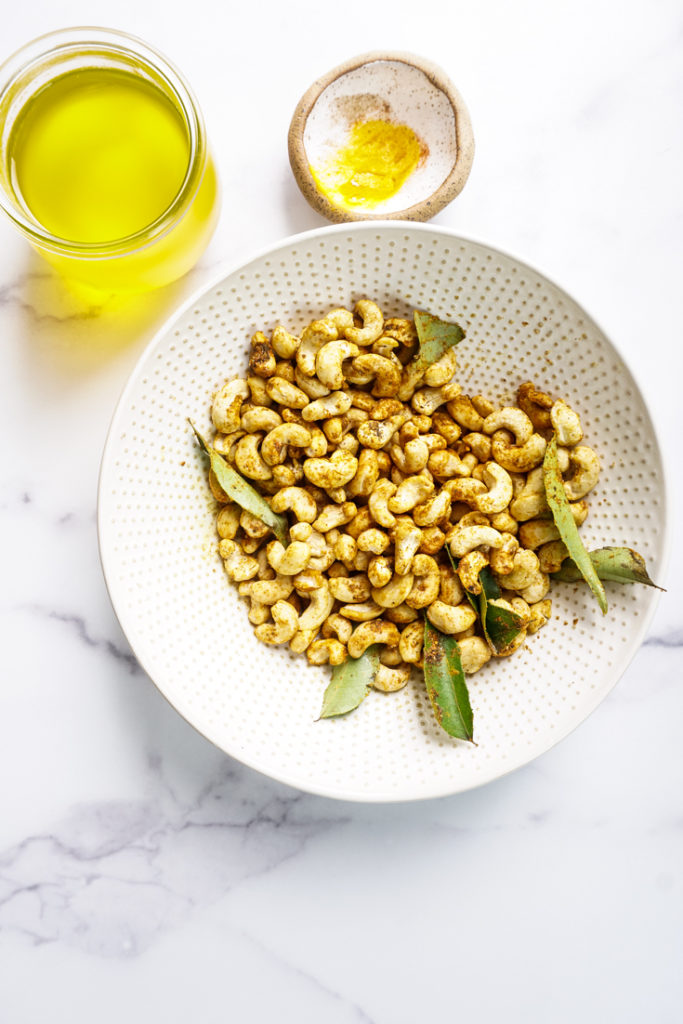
column 401, row 89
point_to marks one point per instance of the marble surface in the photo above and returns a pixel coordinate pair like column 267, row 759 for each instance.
column 146, row 876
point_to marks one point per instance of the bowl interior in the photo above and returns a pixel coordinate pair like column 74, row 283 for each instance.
column 187, row 625
column 390, row 90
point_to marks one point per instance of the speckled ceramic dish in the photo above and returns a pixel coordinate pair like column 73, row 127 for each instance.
column 400, row 88
column 185, row 621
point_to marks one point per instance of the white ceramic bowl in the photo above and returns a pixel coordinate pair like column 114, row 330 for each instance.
column 184, row 620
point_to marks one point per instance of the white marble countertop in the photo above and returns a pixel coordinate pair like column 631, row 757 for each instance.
column 146, row 876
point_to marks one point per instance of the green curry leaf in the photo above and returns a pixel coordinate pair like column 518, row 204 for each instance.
column 564, row 521
column 350, row 683
column 238, row 490
column 620, row 565
column 445, row 683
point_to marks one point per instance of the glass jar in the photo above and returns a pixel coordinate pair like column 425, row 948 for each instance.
column 151, row 254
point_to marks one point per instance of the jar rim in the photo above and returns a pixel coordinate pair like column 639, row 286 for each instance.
column 77, row 39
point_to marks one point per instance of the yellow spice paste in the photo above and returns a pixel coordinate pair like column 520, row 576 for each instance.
column 371, row 166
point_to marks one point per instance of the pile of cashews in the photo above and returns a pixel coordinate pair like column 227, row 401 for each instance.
column 379, row 467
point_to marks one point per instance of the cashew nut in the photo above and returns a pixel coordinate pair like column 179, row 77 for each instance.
column 376, row 631
column 261, row 357
column 474, row 653
column 298, row 500
column 373, row 322
column 386, row 373
column 290, row 560
column 334, row 404
column 425, row 589
column 274, row 446
column 585, row 467
column 328, row 651
column 451, row 619
column 285, row 393
column 282, row 628
column 512, row 419
column 517, row 458
column 351, row 589
column 248, row 458
column 225, row 409
column 238, row 566
column 321, row 605
column 328, row 362
column 284, row 343
column 333, row 472
column 566, row 423
column 411, row 492
column 499, row 492
column 389, row 680
column 465, row 539
column 411, row 642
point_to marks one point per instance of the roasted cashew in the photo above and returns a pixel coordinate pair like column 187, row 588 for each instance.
column 361, row 612
column 479, row 444
column 333, row 516
column 445, row 464
column 427, row 583
column 389, row 680
column 285, row 393
column 469, row 567
column 269, row 591
column 502, row 559
column 366, row 475
column 228, row 521
column 537, row 589
column 377, row 433
column 552, row 555
column 326, row 652
column 378, row 507
column 411, row 492
column 261, row 356
column 350, row 589
column 451, row 591
column 499, row 492
column 380, row 570
column 345, row 549
column 464, row 489
column 284, row 343
column 451, row 619
column 334, row 404
column 258, row 391
column 276, row 441
column 433, row 539
column 446, row 427
column 328, row 362
column 540, row 614
column 464, row 413
column 290, row 560
column 536, row 532
column 248, row 458
column 385, row 372
column 462, row 540
column 441, row 371
column 407, row 538
column 536, row 404
column 411, row 642
column 393, row 593
column 401, row 614
column 512, row 419
column 474, row 653
column 282, row 628
column 311, row 386
column 373, row 541
column 313, row 337
column 566, row 423
column 226, row 406
column 373, row 322
column 300, row 531
column 238, row 566
column 321, row 605
column 426, row 401
column 260, row 418
column 298, row 500
column 434, row 510
column 517, row 458
column 524, row 569
column 252, row 525
column 333, row 472
column 585, row 467
column 375, row 631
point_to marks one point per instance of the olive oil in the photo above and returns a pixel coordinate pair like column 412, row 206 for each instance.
column 99, row 157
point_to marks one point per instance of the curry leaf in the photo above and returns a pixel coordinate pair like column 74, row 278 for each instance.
column 564, row 521
column 620, row 565
column 445, row 683
column 237, row 489
column 350, row 683
column 436, row 337
column 501, row 625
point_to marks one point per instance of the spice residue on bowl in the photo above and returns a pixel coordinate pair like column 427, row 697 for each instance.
column 372, row 166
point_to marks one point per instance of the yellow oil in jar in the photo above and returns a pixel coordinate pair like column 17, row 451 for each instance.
column 99, row 155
